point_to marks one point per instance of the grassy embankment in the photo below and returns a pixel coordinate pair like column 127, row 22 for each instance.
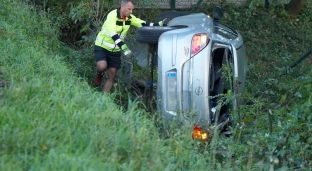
column 50, row 119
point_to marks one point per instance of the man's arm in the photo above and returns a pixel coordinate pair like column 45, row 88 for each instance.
column 110, row 27
column 141, row 23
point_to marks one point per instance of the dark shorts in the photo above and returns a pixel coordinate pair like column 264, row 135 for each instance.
column 112, row 58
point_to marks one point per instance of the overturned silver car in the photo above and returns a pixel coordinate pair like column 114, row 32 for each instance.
column 201, row 71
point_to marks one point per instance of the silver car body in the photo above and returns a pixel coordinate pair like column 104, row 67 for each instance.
column 184, row 80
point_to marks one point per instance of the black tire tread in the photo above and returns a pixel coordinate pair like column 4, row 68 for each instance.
column 151, row 35
column 170, row 15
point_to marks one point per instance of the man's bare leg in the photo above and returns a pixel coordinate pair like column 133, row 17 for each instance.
column 100, row 68
column 110, row 81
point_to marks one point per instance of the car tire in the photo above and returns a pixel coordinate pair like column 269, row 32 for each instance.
column 170, row 15
column 151, row 35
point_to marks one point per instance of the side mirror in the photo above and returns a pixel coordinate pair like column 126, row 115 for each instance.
column 217, row 13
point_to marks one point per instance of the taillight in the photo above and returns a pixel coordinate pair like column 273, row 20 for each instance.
column 199, row 41
column 199, row 133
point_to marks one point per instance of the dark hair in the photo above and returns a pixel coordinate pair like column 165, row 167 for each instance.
column 126, row 1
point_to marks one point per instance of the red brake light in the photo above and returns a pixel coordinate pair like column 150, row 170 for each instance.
column 199, row 41
column 199, row 134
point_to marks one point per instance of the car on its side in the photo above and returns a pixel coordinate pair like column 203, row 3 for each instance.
column 202, row 68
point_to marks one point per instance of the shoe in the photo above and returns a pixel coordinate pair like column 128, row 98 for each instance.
column 97, row 81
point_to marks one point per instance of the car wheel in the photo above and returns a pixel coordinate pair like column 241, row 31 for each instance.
column 151, row 35
column 170, row 15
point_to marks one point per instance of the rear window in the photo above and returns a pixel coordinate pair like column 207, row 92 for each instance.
column 225, row 31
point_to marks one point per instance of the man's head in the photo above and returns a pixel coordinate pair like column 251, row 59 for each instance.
column 126, row 8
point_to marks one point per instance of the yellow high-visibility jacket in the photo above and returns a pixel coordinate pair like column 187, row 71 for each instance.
column 115, row 28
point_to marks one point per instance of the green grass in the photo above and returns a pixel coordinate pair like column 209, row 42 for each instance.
column 52, row 119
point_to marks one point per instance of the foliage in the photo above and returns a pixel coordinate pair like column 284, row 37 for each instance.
column 90, row 15
column 272, row 39
column 50, row 119
column 254, row 4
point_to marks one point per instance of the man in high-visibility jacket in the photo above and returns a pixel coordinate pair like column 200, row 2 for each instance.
column 109, row 42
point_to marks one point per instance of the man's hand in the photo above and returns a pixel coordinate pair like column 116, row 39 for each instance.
column 164, row 22
column 126, row 50
column 128, row 53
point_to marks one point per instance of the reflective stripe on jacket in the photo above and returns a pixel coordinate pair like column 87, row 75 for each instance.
column 115, row 28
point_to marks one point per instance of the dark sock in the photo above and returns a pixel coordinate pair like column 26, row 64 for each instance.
column 100, row 74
